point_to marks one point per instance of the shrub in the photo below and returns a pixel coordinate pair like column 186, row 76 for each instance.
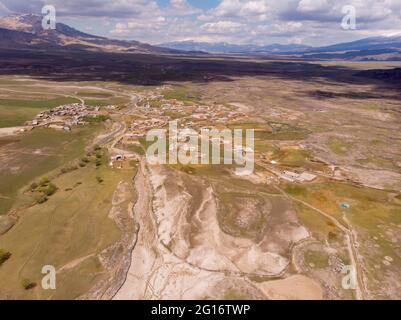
column 82, row 164
column 50, row 190
column 44, row 181
column 28, row 284
column 98, row 163
column 4, row 256
column 33, row 186
column 69, row 169
column 99, row 118
column 332, row 236
column 99, row 179
column 41, row 199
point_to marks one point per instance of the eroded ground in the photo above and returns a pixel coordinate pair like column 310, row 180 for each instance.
column 199, row 231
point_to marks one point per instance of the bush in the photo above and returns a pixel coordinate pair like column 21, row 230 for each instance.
column 99, row 179
column 82, row 164
column 41, row 199
column 33, row 186
column 28, row 284
column 44, row 181
column 4, row 256
column 50, row 190
column 99, row 118
column 332, row 236
column 85, row 159
column 98, row 163
column 69, row 169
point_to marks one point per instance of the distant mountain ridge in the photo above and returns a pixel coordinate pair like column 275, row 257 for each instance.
column 222, row 47
column 372, row 43
column 26, row 32
column 373, row 48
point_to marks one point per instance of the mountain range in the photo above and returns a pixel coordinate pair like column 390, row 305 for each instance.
column 26, row 32
column 222, row 47
column 373, row 48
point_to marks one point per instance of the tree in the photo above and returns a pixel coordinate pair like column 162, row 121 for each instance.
column 41, row 199
column 4, row 256
column 50, row 190
column 44, row 181
column 28, row 284
column 33, row 186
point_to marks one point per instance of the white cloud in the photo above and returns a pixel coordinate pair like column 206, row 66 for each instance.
column 243, row 8
column 87, row 8
column 254, row 8
column 182, row 8
column 221, row 27
column 314, row 22
column 313, row 5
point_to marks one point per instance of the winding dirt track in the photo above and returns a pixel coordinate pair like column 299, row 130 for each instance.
column 360, row 290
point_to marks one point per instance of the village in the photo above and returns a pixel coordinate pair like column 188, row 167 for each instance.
column 64, row 117
column 155, row 112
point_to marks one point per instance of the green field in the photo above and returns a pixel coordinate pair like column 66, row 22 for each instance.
column 234, row 205
column 339, row 147
column 372, row 213
column 184, row 94
column 15, row 112
column 67, row 232
column 93, row 94
column 317, row 259
column 119, row 101
column 34, row 154
column 41, row 104
column 298, row 158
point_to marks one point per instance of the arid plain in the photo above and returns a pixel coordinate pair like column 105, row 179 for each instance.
column 325, row 193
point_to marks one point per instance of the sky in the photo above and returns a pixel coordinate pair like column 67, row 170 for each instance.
column 260, row 22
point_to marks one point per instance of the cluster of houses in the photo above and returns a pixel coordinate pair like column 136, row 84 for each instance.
column 162, row 110
column 297, row 177
column 65, row 116
column 139, row 127
column 159, row 112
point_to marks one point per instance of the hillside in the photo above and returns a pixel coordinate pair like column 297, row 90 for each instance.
column 26, row 32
